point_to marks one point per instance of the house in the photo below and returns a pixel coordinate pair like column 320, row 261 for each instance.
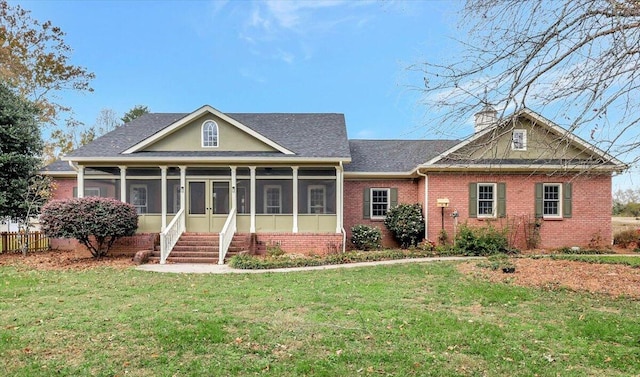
column 296, row 181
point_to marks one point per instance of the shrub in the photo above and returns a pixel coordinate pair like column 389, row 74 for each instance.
column 365, row 237
column 406, row 223
column 251, row 262
column 626, row 238
column 95, row 222
column 481, row 241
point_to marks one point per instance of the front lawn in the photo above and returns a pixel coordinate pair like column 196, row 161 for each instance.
column 402, row 320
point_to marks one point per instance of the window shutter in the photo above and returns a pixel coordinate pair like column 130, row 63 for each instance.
column 473, row 199
column 75, row 191
column 538, row 202
column 502, row 199
column 394, row 197
column 366, row 203
column 566, row 200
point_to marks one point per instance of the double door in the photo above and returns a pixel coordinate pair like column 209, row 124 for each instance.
column 208, row 204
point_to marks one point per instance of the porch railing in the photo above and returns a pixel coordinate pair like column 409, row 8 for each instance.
column 169, row 237
column 226, row 235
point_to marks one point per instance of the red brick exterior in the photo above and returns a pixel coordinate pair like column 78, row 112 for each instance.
column 63, row 188
column 303, row 243
column 123, row 246
column 408, row 193
column 590, row 223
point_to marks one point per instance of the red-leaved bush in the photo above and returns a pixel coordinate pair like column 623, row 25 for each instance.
column 96, row 222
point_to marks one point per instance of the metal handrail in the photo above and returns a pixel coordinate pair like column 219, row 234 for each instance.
column 170, row 236
column 226, row 235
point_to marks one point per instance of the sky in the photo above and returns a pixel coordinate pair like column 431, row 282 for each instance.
column 334, row 56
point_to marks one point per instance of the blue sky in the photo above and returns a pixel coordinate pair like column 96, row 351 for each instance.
column 245, row 56
column 347, row 57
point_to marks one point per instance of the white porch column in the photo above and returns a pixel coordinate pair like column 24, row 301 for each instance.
column 339, row 196
column 295, row 199
column 183, row 187
column 163, row 184
column 234, row 195
column 80, row 181
column 123, row 183
column 252, row 170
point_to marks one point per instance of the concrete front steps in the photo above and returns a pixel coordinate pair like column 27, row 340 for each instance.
column 202, row 248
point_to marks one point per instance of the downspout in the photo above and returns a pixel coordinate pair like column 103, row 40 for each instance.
column 344, row 233
column 73, row 165
column 426, row 202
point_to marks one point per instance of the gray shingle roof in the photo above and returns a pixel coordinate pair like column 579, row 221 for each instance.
column 307, row 135
column 378, row 156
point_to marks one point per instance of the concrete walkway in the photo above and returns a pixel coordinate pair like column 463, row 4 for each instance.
column 199, row 268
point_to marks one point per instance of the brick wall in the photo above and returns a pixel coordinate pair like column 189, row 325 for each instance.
column 303, row 243
column 123, row 246
column 591, row 215
column 408, row 193
column 63, row 188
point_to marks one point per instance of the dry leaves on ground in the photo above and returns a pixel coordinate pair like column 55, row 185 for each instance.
column 63, row 260
column 611, row 279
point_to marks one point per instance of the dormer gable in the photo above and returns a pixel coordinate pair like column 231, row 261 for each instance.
column 207, row 129
column 525, row 140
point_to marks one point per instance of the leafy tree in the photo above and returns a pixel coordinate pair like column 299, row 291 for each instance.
column 134, row 113
column 36, row 61
column 94, row 221
column 20, row 147
column 577, row 59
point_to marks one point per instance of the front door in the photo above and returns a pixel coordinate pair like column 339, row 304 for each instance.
column 208, row 205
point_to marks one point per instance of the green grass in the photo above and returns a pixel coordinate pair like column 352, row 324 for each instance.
column 633, row 261
column 403, row 320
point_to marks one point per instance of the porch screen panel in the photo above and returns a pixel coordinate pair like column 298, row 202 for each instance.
column 274, row 196
column 145, row 195
column 317, row 196
column 105, row 188
column 173, row 196
column 243, row 196
column 197, row 198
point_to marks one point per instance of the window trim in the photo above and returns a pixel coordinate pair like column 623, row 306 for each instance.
column 132, row 188
column 266, row 201
column 324, row 199
column 559, row 200
column 494, row 200
column 371, row 202
column 216, row 132
column 523, row 132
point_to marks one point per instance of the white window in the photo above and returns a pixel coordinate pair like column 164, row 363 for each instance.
column 209, row 134
column 519, row 141
column 317, row 199
column 91, row 191
column 551, row 203
column 379, row 202
column 272, row 199
column 486, row 200
column 138, row 197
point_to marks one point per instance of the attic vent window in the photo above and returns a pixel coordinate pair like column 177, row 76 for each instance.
column 519, row 142
column 209, row 134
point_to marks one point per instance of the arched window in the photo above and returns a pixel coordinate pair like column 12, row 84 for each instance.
column 209, row 134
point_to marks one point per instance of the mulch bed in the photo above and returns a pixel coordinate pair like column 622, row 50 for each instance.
column 610, row 279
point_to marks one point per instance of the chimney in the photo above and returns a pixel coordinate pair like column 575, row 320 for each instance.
column 485, row 118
